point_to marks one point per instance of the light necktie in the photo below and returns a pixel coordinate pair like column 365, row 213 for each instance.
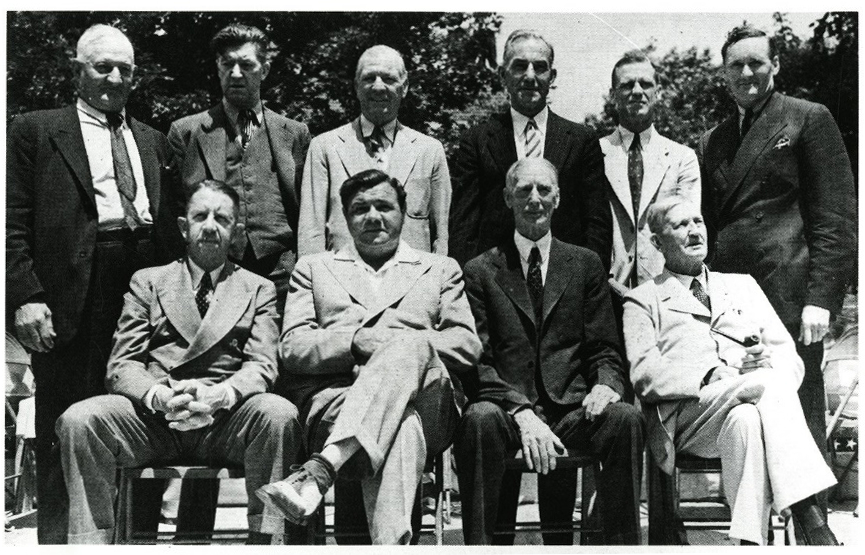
column 202, row 297
column 535, row 281
column 698, row 291
column 123, row 176
column 635, row 173
column 246, row 124
column 533, row 139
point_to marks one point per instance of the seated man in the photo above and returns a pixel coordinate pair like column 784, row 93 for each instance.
column 194, row 353
column 370, row 336
column 721, row 373
column 550, row 376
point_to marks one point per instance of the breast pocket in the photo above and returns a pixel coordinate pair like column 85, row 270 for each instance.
column 418, row 197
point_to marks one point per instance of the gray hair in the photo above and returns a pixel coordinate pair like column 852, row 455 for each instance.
column 657, row 213
column 514, row 171
column 524, row 34
column 95, row 35
column 381, row 50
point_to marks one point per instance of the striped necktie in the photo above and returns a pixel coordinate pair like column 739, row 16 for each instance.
column 533, row 140
column 123, row 176
column 246, row 124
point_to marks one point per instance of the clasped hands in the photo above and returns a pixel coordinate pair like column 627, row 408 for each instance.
column 190, row 404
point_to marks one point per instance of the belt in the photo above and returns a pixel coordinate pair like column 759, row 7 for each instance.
column 124, row 235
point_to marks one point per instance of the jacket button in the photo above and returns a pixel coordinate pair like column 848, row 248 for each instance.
column 759, row 216
column 82, row 254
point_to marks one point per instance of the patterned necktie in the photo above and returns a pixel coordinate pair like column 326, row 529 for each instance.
column 375, row 144
column 123, row 176
column 635, row 173
column 246, row 124
column 533, row 140
column 701, row 294
column 534, row 280
column 202, row 297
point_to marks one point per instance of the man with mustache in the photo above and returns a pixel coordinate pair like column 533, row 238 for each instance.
column 479, row 218
column 89, row 202
column 707, row 393
column 371, row 336
column 779, row 202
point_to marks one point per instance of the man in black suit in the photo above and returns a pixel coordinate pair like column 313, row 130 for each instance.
column 87, row 205
column 779, row 204
column 479, row 219
column 550, row 376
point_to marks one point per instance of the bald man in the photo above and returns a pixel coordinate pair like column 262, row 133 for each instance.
column 87, row 206
column 376, row 140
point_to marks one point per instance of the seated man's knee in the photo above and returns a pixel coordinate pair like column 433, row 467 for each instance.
column 85, row 415
column 624, row 416
column 482, row 418
column 743, row 418
column 276, row 411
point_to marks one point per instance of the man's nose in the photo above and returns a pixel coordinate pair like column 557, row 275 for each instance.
column 235, row 71
column 637, row 89
column 746, row 71
column 114, row 75
column 530, row 71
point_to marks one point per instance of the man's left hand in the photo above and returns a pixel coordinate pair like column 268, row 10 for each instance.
column 194, row 404
column 815, row 324
column 598, row 399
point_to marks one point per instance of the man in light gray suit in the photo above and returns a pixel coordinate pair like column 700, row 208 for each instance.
column 718, row 373
column 642, row 167
column 376, row 140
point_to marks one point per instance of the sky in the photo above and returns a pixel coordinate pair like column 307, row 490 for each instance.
column 588, row 45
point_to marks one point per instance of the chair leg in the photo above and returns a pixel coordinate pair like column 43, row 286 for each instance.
column 439, row 518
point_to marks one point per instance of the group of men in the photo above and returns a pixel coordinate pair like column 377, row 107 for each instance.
column 355, row 358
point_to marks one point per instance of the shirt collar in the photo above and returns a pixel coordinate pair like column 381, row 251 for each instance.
column 524, row 245
column 98, row 115
column 521, row 120
column 686, row 280
column 404, row 253
column 196, row 273
column 645, row 136
column 757, row 109
column 232, row 112
column 389, row 128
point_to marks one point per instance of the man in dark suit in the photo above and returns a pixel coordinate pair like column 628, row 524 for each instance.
column 479, row 219
column 255, row 150
column 87, row 205
column 779, row 204
column 550, row 376
column 194, row 354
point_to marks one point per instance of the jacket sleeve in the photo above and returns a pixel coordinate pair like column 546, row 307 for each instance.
column 688, row 182
column 454, row 338
column 259, row 369
column 440, row 200
column 465, row 213
column 314, row 198
column 600, row 347
column 596, row 217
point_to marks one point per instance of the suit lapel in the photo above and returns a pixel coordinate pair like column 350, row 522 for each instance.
column 656, row 162
column 721, row 299
column 678, row 298
column 212, row 142
column 178, row 302
column 616, row 168
column 559, row 272
column 501, row 141
column 66, row 133
column 510, row 278
column 351, row 149
column 398, row 282
column 150, row 163
column 350, row 277
column 557, row 143
column 403, row 155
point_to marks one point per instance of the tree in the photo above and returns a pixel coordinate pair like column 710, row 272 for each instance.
column 450, row 58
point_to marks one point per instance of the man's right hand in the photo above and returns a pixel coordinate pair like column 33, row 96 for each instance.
column 366, row 341
column 540, row 444
column 722, row 372
column 34, row 327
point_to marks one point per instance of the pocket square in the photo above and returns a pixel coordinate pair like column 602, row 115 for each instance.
column 782, row 142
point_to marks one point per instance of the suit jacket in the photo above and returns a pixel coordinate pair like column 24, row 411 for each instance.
column 51, row 217
column 329, row 299
column 669, row 169
column 671, row 349
column 782, row 208
column 479, row 218
column 575, row 344
column 416, row 160
column 161, row 338
column 199, row 141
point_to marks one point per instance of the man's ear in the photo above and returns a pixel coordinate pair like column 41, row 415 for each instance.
column 776, row 65
column 237, row 233
column 183, row 225
column 265, row 70
column 656, row 242
column 507, row 197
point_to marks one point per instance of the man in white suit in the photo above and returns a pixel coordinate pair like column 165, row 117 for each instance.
column 718, row 374
column 370, row 338
column 376, row 140
column 642, row 167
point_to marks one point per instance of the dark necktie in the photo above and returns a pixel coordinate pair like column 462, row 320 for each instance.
column 701, row 294
column 123, row 176
column 747, row 121
column 246, row 124
column 535, row 281
column 635, row 173
column 533, row 139
column 202, row 297
column 375, row 143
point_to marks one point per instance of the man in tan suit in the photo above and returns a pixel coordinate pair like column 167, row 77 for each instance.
column 718, row 373
column 371, row 335
column 376, row 140
column 194, row 353
column 642, row 167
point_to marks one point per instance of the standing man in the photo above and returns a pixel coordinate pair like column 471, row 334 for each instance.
column 372, row 334
column 642, row 167
column 779, row 204
column 480, row 220
column 376, row 140
column 87, row 206
column 550, row 377
column 258, row 152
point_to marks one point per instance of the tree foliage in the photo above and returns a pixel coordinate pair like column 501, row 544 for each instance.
column 450, row 58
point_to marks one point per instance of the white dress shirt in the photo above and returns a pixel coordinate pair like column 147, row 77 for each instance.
column 375, row 278
column 686, row 280
column 97, row 144
column 524, row 246
column 646, row 136
column 389, row 129
column 520, row 122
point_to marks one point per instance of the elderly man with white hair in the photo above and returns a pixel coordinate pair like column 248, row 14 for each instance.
column 85, row 208
column 718, row 373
